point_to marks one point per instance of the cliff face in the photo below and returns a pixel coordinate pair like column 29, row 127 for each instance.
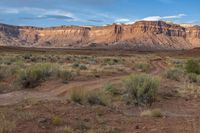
column 142, row 34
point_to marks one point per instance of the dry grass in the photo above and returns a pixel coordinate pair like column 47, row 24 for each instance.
column 152, row 113
column 189, row 90
column 56, row 121
column 6, row 125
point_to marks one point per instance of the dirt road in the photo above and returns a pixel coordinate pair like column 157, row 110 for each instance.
column 54, row 90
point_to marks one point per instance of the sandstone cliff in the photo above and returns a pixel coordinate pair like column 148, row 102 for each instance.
column 142, row 35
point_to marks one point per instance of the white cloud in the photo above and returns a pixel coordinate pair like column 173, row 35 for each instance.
column 152, row 18
column 175, row 16
column 156, row 18
column 122, row 20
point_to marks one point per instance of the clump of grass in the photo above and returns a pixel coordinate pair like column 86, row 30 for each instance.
column 77, row 95
column 83, row 67
column 6, row 126
column 2, row 74
column 79, row 66
column 190, row 90
column 152, row 113
column 33, row 75
column 68, row 130
column 142, row 89
column 193, row 66
column 97, row 98
column 111, row 89
column 143, row 67
column 27, row 56
column 174, row 74
column 56, row 121
column 65, row 75
column 194, row 78
column 111, row 61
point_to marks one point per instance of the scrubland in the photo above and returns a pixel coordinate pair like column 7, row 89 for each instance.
column 75, row 93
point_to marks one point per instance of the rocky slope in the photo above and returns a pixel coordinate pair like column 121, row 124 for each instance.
column 141, row 35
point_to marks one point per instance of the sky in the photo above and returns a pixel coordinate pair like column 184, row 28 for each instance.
column 46, row 13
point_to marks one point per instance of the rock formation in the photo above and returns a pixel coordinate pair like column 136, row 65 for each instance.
column 140, row 35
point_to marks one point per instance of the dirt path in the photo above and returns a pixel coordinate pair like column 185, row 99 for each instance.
column 54, row 90
column 158, row 66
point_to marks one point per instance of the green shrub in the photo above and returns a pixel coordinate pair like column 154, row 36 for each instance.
column 142, row 88
column 193, row 66
column 65, row 75
column 174, row 74
column 33, row 75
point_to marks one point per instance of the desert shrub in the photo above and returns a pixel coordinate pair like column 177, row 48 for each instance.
column 178, row 63
column 56, row 121
column 174, row 74
column 77, row 95
column 33, row 75
column 27, row 56
column 143, row 67
column 75, row 65
column 110, row 61
column 152, row 113
column 193, row 66
column 65, row 75
column 82, row 67
column 142, row 88
column 194, row 77
column 97, row 98
column 79, row 66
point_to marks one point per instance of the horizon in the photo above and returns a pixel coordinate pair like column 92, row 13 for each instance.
column 96, row 12
column 55, row 26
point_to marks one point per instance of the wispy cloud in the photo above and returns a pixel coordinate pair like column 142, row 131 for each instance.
column 156, row 18
column 95, row 20
column 39, row 13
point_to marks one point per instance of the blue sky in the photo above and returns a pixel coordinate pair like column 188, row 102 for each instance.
column 46, row 13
